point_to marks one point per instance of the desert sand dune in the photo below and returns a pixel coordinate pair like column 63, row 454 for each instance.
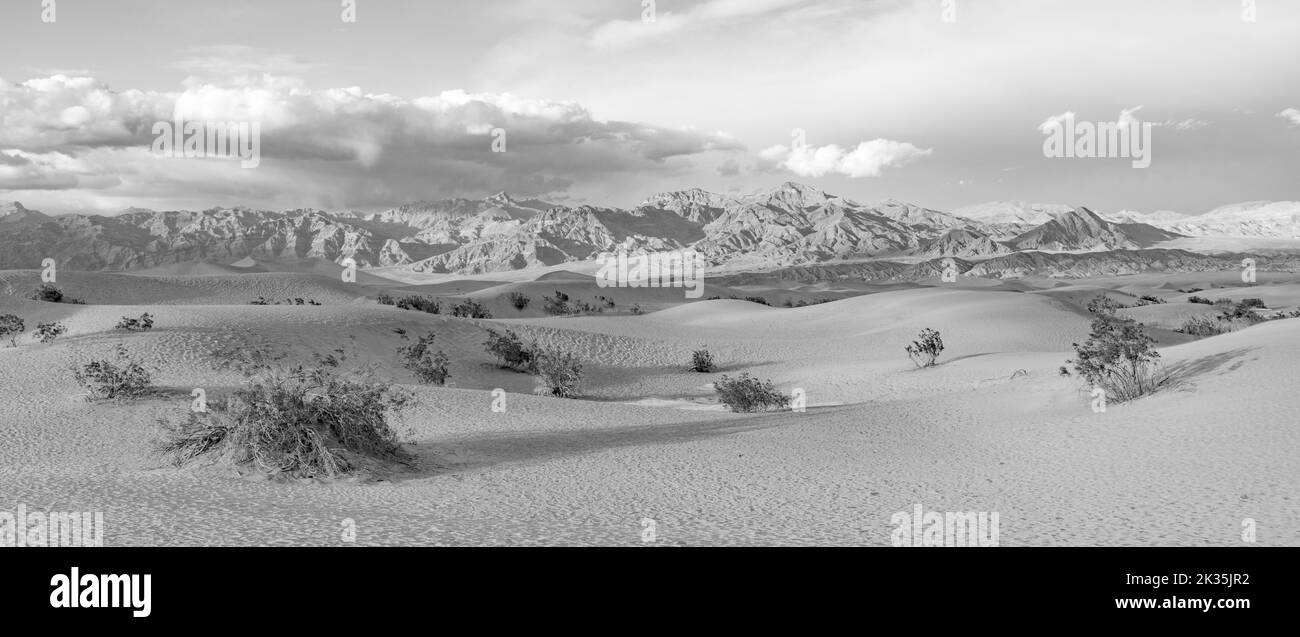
column 992, row 428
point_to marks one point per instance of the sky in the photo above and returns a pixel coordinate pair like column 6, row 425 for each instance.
column 370, row 104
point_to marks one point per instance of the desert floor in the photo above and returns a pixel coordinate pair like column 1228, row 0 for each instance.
column 993, row 428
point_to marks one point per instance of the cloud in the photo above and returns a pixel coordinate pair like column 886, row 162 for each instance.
column 1126, row 117
column 1292, row 115
column 340, row 146
column 1055, row 121
column 729, row 168
column 867, row 160
column 703, row 16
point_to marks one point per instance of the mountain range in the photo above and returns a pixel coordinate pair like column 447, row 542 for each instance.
column 789, row 226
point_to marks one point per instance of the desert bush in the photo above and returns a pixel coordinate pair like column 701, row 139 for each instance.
column 558, row 373
column 51, row 293
column 925, row 350
column 519, row 300
column 1240, row 312
column 11, row 325
column 422, row 303
column 1147, row 299
column 427, row 365
column 702, row 361
column 746, row 394
column 47, row 332
column 384, row 298
column 119, row 378
column 1204, row 326
column 759, row 300
column 1199, row 299
column 1102, row 304
column 636, row 309
column 298, row 421
column 1191, row 290
column 469, row 308
column 605, row 301
column 48, row 293
column 1120, row 358
column 142, row 324
column 510, row 349
column 557, row 304
column 1252, row 303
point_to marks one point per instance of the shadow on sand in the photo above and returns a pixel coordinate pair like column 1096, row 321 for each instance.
column 477, row 453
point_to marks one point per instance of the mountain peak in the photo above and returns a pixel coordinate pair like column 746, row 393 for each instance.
column 13, row 207
column 795, row 193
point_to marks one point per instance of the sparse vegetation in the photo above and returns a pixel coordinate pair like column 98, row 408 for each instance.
column 558, row 373
column 702, row 361
column 925, row 350
column 298, row 421
column 47, row 332
column 11, row 325
column 519, row 300
column 142, row 324
column 759, row 300
column 1204, row 326
column 384, row 298
column 422, row 303
column 246, row 353
column 1120, row 358
column 746, row 394
column 119, row 378
column 51, row 293
column 427, row 366
column 1232, row 316
column 1147, row 299
column 1102, row 304
column 557, row 304
column 1199, row 299
column 469, row 308
column 510, row 349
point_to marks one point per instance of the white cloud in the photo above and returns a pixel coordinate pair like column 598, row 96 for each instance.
column 1292, row 115
column 343, row 144
column 867, row 160
column 1126, row 117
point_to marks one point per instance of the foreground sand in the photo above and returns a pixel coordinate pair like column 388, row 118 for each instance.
column 1181, row 468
